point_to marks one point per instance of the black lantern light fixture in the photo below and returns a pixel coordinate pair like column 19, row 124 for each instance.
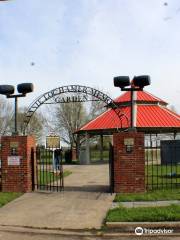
column 137, row 84
column 8, row 91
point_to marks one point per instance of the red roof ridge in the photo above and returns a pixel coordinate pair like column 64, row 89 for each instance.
column 158, row 99
column 125, row 97
column 171, row 112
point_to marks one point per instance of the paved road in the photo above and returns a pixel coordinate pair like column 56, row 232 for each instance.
column 24, row 236
column 71, row 209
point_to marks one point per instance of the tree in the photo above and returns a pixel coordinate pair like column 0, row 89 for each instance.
column 6, row 115
column 35, row 126
column 66, row 119
column 95, row 109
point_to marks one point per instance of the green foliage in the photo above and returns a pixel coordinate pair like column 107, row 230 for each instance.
column 6, row 116
column 67, row 119
column 68, row 156
column 159, row 176
column 7, row 197
column 46, row 177
column 144, row 214
column 35, row 126
column 173, row 194
column 95, row 155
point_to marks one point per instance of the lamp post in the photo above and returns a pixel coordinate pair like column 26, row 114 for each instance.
column 8, row 91
column 137, row 84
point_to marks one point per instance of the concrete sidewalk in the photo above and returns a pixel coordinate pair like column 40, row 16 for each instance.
column 145, row 203
column 83, row 204
column 90, row 178
column 68, row 210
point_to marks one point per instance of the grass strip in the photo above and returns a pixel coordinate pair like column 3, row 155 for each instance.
column 144, row 214
column 8, row 197
column 158, row 195
column 45, row 177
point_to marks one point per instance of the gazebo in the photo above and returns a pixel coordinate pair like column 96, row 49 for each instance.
column 152, row 116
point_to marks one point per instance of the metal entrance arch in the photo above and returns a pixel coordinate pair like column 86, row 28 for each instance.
column 52, row 97
column 84, row 90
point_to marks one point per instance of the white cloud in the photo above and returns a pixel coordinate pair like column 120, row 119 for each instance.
column 88, row 42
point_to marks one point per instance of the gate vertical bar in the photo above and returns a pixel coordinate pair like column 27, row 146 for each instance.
column 157, row 161
column 162, row 179
column 0, row 168
column 33, row 169
column 111, row 168
column 172, row 165
column 39, row 169
column 49, row 167
column 62, row 172
column 151, row 151
column 46, row 172
column 176, row 168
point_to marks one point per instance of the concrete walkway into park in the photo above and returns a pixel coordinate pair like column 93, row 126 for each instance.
column 83, row 204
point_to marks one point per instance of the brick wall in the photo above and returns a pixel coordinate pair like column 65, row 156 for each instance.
column 17, row 178
column 129, row 167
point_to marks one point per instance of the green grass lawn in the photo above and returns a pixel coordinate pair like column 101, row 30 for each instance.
column 160, row 176
column 173, row 194
column 7, row 197
column 95, row 155
column 144, row 214
column 46, row 177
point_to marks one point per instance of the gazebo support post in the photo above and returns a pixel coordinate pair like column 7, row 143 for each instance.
column 101, row 147
column 87, row 154
column 78, row 146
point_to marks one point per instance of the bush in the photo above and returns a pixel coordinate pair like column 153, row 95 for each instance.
column 68, row 156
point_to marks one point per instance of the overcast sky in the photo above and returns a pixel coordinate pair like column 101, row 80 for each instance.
column 54, row 42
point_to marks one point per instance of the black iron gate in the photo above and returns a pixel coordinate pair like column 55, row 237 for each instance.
column 111, row 168
column 0, row 169
column 162, row 163
column 48, row 170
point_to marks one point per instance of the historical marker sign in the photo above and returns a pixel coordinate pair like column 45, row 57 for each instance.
column 52, row 142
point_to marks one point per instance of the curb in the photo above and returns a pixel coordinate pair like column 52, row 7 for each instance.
column 129, row 227
column 113, row 230
column 144, row 224
column 64, row 233
column 130, row 204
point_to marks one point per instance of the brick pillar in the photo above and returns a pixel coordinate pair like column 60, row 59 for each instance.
column 129, row 162
column 17, row 163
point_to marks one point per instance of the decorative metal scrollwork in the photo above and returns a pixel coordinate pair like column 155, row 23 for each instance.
column 83, row 96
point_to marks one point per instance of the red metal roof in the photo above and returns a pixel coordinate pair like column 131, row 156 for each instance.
column 141, row 96
column 156, row 116
column 107, row 120
column 147, row 116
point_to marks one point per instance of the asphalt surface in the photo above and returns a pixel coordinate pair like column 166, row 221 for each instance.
column 31, row 236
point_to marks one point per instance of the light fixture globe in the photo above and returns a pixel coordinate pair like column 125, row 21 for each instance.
column 6, row 89
column 25, row 88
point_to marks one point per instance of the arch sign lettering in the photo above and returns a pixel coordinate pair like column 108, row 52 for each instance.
column 81, row 94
